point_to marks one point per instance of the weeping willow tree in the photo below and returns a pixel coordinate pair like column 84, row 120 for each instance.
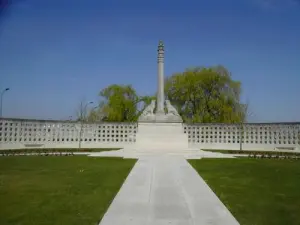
column 206, row 95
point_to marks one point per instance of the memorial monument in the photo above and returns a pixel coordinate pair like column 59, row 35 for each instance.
column 160, row 125
column 155, row 112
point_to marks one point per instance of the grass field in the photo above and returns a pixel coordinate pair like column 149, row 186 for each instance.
column 256, row 191
column 58, row 190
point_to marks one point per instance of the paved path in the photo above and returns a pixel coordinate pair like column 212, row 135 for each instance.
column 166, row 190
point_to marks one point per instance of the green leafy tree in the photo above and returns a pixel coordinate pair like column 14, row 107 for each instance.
column 120, row 103
column 207, row 95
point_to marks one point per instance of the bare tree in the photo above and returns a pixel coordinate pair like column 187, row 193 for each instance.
column 82, row 110
column 96, row 114
column 82, row 113
column 245, row 114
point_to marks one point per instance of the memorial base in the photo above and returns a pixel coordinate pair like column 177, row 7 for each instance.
column 156, row 136
column 160, row 118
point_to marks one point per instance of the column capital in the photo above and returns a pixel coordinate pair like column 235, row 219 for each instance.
column 161, row 51
column 161, row 44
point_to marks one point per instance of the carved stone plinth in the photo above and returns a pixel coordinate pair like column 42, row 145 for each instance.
column 174, row 118
column 161, row 136
column 160, row 118
column 145, row 119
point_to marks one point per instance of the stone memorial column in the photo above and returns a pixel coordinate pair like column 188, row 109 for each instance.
column 160, row 79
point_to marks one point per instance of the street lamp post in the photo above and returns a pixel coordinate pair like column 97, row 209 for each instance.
column 81, row 123
column 1, row 100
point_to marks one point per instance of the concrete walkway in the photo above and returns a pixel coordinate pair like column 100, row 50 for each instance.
column 166, row 190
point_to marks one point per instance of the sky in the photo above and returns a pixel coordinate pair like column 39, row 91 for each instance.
column 54, row 54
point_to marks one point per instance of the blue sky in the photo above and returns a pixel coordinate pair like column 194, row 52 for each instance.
column 55, row 53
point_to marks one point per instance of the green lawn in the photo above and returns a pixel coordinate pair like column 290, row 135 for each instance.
column 37, row 190
column 256, row 191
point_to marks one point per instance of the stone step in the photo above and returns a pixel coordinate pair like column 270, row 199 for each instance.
column 162, row 151
column 160, row 154
column 162, row 139
column 161, row 143
column 160, row 147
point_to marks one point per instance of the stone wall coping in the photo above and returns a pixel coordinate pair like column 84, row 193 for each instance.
column 187, row 124
column 60, row 121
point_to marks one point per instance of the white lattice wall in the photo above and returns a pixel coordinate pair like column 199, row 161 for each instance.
column 272, row 136
column 17, row 133
column 20, row 133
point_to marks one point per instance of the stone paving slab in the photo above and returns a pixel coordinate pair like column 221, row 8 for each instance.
column 166, row 190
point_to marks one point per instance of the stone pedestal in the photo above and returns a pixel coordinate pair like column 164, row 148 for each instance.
column 161, row 137
column 160, row 118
